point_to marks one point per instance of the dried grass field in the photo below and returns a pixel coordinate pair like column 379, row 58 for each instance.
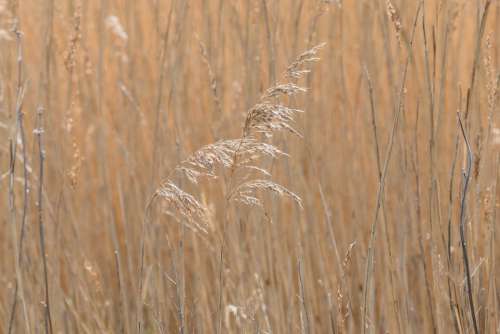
column 249, row 166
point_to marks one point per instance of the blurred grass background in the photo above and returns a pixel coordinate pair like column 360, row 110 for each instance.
column 125, row 90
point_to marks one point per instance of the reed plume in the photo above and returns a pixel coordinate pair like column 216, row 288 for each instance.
column 242, row 156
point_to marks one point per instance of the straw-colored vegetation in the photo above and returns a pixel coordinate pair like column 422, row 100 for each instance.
column 249, row 166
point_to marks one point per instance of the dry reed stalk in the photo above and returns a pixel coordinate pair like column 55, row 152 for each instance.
column 304, row 312
column 463, row 242
column 381, row 187
column 395, row 301
column 46, row 302
column 477, row 53
column 159, row 98
column 19, row 132
column 212, row 78
column 420, row 234
column 432, row 197
column 452, row 289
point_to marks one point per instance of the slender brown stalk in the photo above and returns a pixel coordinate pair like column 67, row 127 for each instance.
column 416, row 166
column 21, row 87
column 306, row 325
column 159, row 98
column 477, row 58
column 381, row 187
column 432, row 145
column 43, row 253
column 463, row 242
column 270, row 43
column 392, row 274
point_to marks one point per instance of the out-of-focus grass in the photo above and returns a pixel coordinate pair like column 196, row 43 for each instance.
column 122, row 91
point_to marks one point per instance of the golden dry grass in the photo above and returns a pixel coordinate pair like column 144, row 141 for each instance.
column 170, row 190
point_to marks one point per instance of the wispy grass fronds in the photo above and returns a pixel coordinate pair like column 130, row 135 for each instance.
column 246, row 192
column 287, row 89
column 180, row 202
column 270, row 115
column 205, row 161
column 297, row 69
column 267, row 118
column 241, row 156
column 230, row 153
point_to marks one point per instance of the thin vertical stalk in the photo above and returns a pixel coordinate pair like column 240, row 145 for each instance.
column 306, row 326
column 381, row 187
column 46, row 303
column 19, row 131
column 463, row 242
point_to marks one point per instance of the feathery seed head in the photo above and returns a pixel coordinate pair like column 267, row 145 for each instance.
column 295, row 69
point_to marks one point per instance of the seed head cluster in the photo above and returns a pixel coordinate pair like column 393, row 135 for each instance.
column 241, row 157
